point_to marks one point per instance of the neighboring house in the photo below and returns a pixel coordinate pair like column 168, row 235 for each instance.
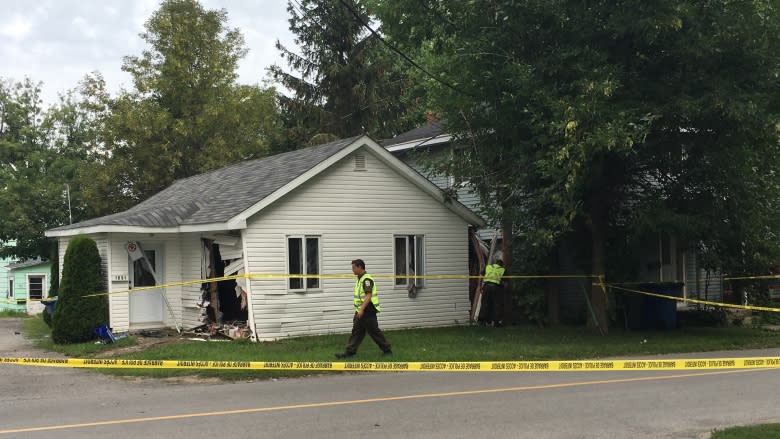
column 29, row 283
column 6, row 285
column 429, row 144
column 662, row 260
column 309, row 211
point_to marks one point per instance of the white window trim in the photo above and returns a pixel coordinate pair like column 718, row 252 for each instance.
column 303, row 239
column 11, row 287
column 44, row 293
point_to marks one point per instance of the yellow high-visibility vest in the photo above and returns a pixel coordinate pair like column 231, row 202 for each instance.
column 493, row 273
column 360, row 294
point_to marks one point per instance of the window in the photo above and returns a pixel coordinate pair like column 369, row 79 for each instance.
column 409, row 259
column 142, row 276
column 10, row 288
column 35, row 287
column 303, row 257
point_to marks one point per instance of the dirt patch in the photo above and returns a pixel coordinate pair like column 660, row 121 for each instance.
column 141, row 343
column 145, row 340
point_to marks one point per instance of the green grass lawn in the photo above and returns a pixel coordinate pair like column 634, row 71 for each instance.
column 462, row 343
column 753, row 432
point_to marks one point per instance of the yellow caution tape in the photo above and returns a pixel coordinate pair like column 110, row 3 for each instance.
column 775, row 276
column 272, row 276
column 322, row 276
column 702, row 302
column 438, row 366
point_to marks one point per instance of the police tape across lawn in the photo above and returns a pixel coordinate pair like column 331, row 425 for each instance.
column 441, row 366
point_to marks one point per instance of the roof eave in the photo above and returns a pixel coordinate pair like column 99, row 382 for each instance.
column 441, row 138
column 118, row 228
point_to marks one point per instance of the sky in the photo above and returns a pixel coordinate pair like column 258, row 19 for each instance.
column 59, row 41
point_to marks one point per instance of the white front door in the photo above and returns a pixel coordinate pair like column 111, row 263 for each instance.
column 146, row 307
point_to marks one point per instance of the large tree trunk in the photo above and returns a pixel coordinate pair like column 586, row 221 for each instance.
column 598, row 229
column 506, row 249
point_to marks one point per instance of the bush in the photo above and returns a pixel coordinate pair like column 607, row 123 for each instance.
column 76, row 315
column 46, row 317
column 531, row 301
column 705, row 316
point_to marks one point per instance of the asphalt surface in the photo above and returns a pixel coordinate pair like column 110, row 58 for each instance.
column 42, row 402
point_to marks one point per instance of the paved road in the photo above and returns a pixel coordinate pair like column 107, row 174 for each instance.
column 37, row 402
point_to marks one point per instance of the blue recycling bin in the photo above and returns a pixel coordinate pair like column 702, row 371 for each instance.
column 104, row 334
column 50, row 304
column 658, row 312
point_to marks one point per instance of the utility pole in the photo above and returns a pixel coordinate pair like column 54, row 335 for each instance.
column 67, row 191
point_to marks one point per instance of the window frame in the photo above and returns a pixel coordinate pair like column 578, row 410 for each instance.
column 419, row 259
column 11, row 287
column 42, row 277
column 307, row 284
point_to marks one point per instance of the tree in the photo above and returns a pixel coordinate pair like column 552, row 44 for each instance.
column 616, row 118
column 40, row 153
column 186, row 114
column 348, row 83
column 78, row 311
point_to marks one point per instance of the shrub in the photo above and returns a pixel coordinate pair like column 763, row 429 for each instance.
column 46, row 317
column 76, row 315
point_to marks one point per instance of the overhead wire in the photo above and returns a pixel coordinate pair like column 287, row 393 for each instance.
column 402, row 54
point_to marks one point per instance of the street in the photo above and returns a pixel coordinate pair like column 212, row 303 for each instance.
column 41, row 402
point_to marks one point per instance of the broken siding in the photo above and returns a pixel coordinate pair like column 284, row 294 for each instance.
column 191, row 253
column 356, row 215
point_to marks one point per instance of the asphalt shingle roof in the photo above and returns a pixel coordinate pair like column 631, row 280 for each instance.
column 25, row 264
column 424, row 132
column 219, row 195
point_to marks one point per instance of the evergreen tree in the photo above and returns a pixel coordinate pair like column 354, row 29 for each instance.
column 348, row 83
column 75, row 315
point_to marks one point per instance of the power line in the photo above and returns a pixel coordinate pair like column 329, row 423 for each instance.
column 403, row 55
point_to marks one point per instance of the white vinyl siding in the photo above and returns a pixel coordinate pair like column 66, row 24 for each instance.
column 464, row 193
column 701, row 284
column 357, row 214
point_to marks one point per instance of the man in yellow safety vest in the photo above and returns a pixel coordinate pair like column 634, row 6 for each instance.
column 492, row 293
column 366, row 303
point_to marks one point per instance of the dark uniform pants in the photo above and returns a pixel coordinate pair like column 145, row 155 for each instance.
column 491, row 302
column 359, row 328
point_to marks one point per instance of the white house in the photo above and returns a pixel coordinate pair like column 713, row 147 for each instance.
column 309, row 211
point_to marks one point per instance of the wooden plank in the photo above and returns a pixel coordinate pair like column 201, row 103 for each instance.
column 476, row 305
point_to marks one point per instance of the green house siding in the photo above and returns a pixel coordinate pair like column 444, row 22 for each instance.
column 4, row 279
column 36, row 277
